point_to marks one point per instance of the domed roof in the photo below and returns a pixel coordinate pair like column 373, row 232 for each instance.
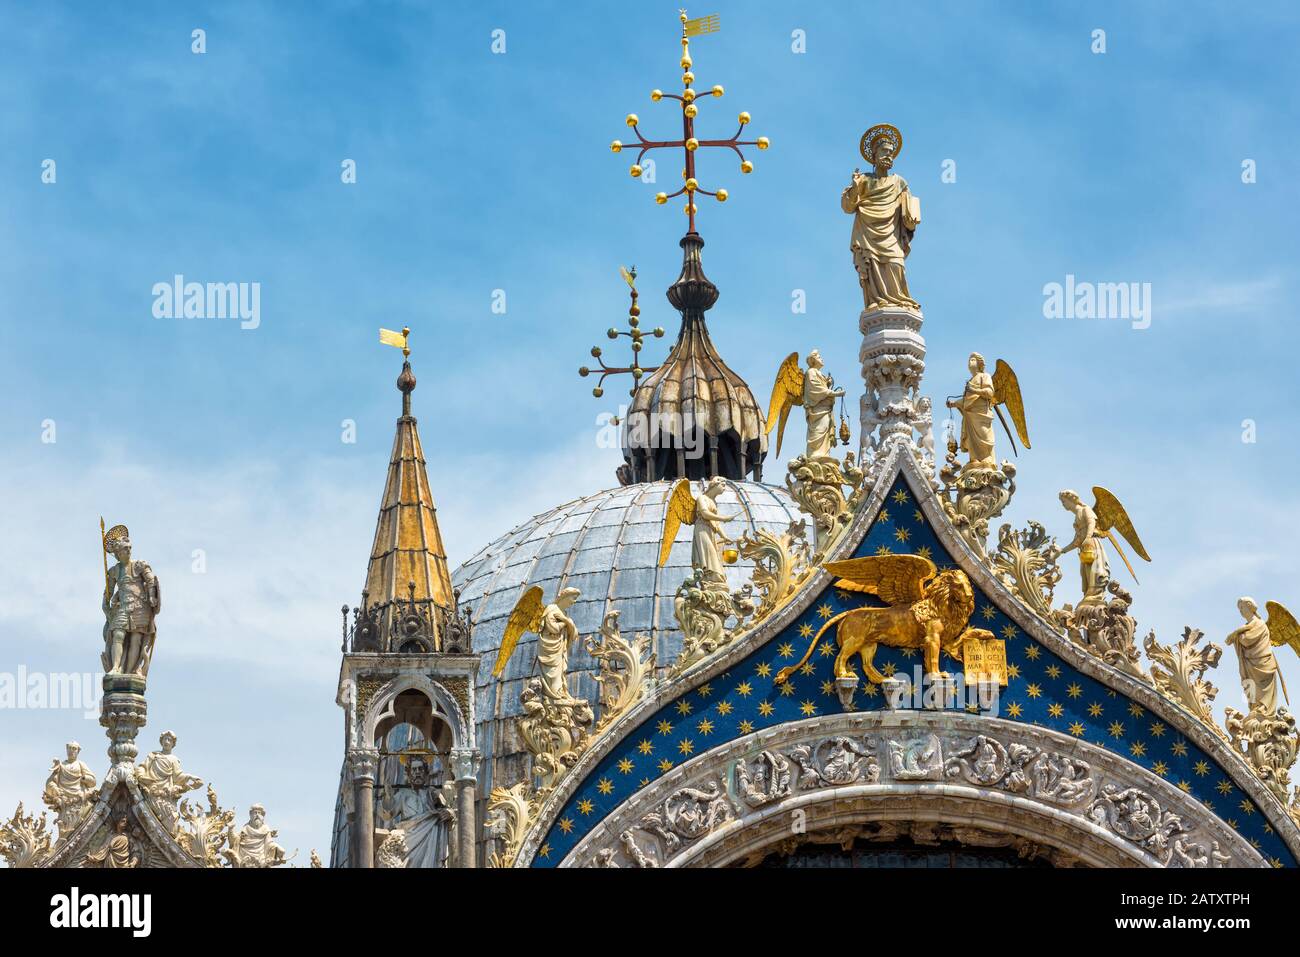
column 607, row 546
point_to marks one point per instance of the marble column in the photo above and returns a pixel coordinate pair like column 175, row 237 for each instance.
column 362, row 764
column 465, row 765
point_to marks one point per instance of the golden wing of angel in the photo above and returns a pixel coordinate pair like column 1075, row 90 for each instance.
column 526, row 617
column 681, row 511
column 1111, row 515
column 1006, row 391
column 786, row 392
column 628, row 277
column 1283, row 629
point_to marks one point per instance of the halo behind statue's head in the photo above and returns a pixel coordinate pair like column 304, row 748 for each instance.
column 881, row 131
column 115, row 536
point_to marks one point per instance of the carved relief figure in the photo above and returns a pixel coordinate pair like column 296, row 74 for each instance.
column 885, row 216
column 118, row 849
column 131, row 601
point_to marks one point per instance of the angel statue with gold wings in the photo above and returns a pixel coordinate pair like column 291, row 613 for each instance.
column 556, row 634
column 1255, row 642
column 984, row 396
column 1092, row 527
column 701, row 512
column 813, row 389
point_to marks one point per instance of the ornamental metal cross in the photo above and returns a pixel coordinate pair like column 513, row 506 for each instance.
column 634, row 333
column 689, row 143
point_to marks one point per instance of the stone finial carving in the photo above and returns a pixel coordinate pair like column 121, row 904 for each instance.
column 1105, row 630
column 626, row 671
column 972, row 497
column 69, row 790
column 554, row 731
column 24, row 841
column 1178, row 672
column 253, row 845
column 1269, row 743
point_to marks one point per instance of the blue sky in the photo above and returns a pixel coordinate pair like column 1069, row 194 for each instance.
column 479, row 172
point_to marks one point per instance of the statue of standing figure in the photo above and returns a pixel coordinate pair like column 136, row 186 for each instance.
column 1255, row 641
column 815, row 390
column 131, row 601
column 885, row 216
column 421, row 815
column 69, row 790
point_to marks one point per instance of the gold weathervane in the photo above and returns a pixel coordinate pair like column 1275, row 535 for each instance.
column 397, row 339
column 689, row 143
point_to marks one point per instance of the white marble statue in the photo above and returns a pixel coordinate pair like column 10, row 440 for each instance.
column 131, row 601
column 420, row 813
column 163, row 779
column 69, row 790
column 1255, row 658
column 253, row 845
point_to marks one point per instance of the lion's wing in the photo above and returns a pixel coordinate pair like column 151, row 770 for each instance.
column 898, row 579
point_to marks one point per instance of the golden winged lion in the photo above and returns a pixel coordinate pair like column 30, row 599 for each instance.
column 927, row 609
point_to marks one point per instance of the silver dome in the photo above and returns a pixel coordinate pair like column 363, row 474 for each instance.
column 607, row 546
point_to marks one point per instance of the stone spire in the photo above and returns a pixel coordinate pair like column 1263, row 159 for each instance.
column 408, row 563
column 694, row 417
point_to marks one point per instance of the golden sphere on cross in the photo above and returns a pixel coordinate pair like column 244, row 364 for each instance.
column 721, row 195
column 744, row 118
column 616, row 146
column 632, row 119
column 747, row 167
column 692, row 144
column 636, row 170
column 763, row 143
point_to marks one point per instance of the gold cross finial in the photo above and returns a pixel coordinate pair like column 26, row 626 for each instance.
column 634, row 332
column 689, row 143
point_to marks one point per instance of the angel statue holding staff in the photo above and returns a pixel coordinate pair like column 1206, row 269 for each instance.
column 1093, row 526
column 885, row 216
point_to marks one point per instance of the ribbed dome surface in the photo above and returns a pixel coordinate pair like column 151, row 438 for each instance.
column 606, row 545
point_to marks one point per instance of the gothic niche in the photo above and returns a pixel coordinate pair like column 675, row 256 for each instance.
column 414, row 793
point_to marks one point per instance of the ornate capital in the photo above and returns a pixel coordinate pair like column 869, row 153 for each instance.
column 362, row 764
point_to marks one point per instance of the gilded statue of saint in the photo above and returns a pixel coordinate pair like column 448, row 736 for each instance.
column 885, row 216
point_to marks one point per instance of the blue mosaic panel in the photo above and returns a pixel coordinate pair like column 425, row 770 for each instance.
column 1043, row 689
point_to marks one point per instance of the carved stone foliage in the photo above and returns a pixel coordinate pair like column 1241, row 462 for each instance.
column 781, row 563
column 1025, row 562
column 554, row 731
column 24, row 841
column 1067, row 780
column 1106, row 630
column 202, row 832
column 392, row 852
column 818, row 484
column 1178, row 672
column 510, row 812
column 972, row 497
column 702, row 609
column 626, row 671
column 1269, row 743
